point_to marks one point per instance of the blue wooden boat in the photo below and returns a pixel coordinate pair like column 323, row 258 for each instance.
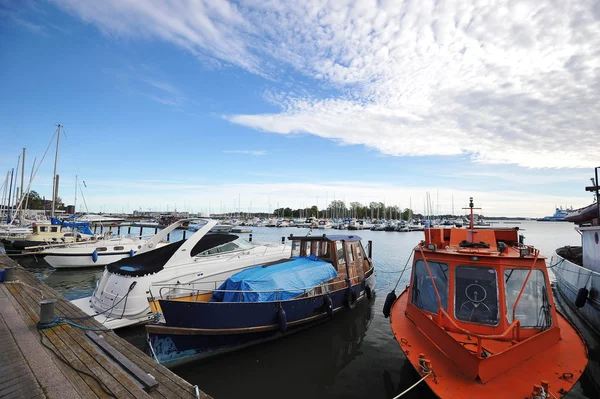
column 325, row 275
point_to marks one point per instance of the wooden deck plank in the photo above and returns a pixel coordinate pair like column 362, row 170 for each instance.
column 113, row 379
column 76, row 380
column 166, row 388
column 177, row 387
column 170, row 385
column 21, row 381
column 148, row 381
column 66, row 309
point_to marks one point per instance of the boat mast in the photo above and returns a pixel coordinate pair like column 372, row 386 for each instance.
column 75, row 202
column 54, row 188
column 22, row 185
column 12, row 172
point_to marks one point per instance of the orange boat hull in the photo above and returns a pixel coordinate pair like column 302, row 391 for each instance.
column 560, row 365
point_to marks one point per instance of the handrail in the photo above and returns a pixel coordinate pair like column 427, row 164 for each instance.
column 515, row 323
column 514, row 312
column 206, row 291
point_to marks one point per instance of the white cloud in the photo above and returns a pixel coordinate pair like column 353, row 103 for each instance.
column 246, row 152
column 500, row 82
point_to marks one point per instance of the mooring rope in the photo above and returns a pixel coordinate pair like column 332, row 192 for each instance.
column 413, row 385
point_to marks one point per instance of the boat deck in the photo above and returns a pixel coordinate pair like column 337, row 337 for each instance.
column 31, row 370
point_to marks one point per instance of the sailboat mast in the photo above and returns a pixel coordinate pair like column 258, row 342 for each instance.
column 22, row 184
column 75, row 202
column 54, row 188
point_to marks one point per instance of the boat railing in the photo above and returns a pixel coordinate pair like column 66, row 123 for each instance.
column 515, row 326
column 189, row 289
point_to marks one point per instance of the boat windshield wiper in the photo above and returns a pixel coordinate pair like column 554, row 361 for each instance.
column 509, row 275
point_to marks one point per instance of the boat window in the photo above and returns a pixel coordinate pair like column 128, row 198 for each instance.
column 339, row 247
column 350, row 253
column 227, row 247
column 54, row 229
column 324, row 252
column 43, row 229
column 295, row 248
column 476, row 295
column 243, row 244
column 101, row 249
column 533, row 309
column 423, row 292
column 306, row 248
column 119, row 248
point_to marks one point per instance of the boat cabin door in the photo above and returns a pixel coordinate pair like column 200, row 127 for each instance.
column 350, row 260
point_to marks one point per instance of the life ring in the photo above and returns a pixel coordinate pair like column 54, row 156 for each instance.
column 350, row 299
column 368, row 292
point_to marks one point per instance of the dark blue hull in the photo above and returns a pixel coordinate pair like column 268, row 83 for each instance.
column 194, row 330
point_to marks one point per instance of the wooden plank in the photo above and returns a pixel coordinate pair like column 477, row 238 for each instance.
column 146, row 379
column 76, row 380
column 170, row 385
column 177, row 386
column 181, row 390
column 115, row 380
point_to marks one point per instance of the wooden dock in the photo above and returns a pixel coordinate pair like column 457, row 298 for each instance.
column 70, row 362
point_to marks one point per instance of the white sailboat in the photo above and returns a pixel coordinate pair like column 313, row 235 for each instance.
column 120, row 298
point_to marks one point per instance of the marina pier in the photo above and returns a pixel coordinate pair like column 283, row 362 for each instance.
column 74, row 356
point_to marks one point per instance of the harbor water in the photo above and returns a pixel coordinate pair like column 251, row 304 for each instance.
column 352, row 356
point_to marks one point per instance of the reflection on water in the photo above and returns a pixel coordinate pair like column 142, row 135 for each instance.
column 352, row 356
column 319, row 355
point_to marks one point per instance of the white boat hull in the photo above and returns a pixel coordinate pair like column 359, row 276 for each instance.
column 83, row 260
column 112, row 311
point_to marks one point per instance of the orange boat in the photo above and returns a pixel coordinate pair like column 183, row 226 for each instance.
column 478, row 318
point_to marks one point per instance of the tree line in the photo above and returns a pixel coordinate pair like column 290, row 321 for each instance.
column 338, row 210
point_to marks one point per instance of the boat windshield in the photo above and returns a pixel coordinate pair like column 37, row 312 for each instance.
column 476, row 293
column 235, row 245
column 423, row 292
column 533, row 309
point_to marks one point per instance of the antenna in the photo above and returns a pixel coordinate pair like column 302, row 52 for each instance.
column 471, row 207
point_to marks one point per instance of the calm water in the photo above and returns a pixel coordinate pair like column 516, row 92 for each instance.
column 352, row 356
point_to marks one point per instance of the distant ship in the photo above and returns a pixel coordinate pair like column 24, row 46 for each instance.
column 559, row 215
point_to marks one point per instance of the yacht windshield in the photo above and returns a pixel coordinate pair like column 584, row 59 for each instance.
column 236, row 245
column 476, row 293
column 423, row 292
column 533, row 309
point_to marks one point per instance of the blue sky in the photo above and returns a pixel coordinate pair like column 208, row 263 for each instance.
column 197, row 104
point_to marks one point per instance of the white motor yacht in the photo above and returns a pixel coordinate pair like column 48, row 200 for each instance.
column 324, row 224
column 121, row 295
column 94, row 254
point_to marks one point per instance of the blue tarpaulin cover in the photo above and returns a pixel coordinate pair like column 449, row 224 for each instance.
column 291, row 277
column 82, row 227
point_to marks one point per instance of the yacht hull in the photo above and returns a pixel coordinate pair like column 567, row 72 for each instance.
column 117, row 302
column 570, row 278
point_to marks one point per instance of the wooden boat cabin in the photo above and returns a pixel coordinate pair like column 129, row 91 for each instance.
column 478, row 318
column 345, row 252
